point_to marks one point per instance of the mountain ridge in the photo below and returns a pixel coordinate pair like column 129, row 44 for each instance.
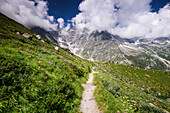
column 105, row 47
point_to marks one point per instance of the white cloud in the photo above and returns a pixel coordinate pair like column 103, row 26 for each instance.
column 29, row 13
column 61, row 22
column 127, row 18
column 51, row 18
column 96, row 14
column 64, row 31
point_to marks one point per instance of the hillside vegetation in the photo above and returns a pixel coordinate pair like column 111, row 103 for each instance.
column 37, row 77
column 34, row 76
column 131, row 89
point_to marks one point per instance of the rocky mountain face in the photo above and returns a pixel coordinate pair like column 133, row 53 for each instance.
column 105, row 47
column 50, row 35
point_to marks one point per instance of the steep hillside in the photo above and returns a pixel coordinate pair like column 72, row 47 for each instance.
column 127, row 89
column 35, row 76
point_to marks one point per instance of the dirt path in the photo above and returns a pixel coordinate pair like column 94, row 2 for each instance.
column 88, row 103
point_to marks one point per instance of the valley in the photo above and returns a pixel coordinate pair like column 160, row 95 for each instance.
column 40, row 75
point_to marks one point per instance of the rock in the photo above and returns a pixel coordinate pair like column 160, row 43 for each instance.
column 168, row 99
column 26, row 35
column 152, row 105
column 18, row 33
column 56, row 48
column 68, row 51
column 147, row 75
column 43, row 41
column 38, row 37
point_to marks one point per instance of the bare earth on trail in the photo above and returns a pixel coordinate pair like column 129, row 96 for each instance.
column 88, row 103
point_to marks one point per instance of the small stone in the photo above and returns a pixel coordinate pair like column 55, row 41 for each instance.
column 91, row 99
column 26, row 35
column 43, row 41
column 56, row 48
column 38, row 37
column 17, row 33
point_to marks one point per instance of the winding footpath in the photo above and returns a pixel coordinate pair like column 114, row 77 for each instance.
column 88, row 103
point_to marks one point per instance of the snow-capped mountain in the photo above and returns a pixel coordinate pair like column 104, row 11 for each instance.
column 105, row 47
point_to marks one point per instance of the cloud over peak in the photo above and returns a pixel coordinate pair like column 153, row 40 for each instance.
column 126, row 18
column 132, row 18
column 29, row 13
column 61, row 22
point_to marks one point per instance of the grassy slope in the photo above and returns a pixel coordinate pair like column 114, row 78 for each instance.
column 36, row 77
column 131, row 89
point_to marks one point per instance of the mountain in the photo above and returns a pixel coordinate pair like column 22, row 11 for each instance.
column 50, row 35
column 37, row 75
column 105, row 47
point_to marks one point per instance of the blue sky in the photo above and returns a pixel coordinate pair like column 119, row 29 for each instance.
column 67, row 9
column 157, row 4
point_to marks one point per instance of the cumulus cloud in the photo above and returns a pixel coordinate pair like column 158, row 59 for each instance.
column 64, row 30
column 29, row 13
column 127, row 18
column 96, row 14
column 61, row 22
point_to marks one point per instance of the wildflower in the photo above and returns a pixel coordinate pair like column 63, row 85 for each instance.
column 26, row 50
column 29, row 56
column 1, row 44
column 118, row 111
column 39, row 62
column 20, row 48
column 65, row 62
column 28, row 64
column 42, row 69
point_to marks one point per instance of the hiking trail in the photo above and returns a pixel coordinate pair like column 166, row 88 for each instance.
column 88, row 102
